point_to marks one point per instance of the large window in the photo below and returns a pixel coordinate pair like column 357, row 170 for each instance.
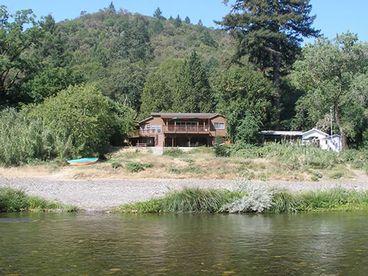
column 219, row 125
column 151, row 128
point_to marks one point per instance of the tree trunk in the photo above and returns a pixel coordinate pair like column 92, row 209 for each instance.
column 344, row 143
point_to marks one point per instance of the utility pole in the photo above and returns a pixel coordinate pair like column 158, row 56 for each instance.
column 331, row 112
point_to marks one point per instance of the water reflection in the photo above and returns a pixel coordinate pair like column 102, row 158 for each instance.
column 70, row 244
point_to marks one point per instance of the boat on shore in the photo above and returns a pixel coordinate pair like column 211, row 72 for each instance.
column 82, row 161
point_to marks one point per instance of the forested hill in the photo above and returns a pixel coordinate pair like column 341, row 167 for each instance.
column 118, row 50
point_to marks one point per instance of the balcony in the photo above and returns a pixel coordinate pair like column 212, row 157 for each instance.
column 186, row 128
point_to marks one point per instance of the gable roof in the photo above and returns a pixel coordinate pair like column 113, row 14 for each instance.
column 315, row 130
column 173, row 116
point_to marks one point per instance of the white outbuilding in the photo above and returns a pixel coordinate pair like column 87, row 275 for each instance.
column 322, row 140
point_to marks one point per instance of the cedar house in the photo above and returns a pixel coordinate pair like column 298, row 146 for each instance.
column 179, row 130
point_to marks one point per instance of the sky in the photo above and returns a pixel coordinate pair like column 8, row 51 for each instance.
column 333, row 16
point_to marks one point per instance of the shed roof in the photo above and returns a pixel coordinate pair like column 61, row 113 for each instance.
column 282, row 133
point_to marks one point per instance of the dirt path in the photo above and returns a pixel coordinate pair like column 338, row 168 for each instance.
column 99, row 195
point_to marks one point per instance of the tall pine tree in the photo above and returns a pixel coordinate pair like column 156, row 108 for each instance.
column 270, row 33
column 193, row 93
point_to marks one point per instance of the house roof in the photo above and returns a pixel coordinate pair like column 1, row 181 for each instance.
column 315, row 130
column 174, row 116
column 186, row 115
column 282, row 133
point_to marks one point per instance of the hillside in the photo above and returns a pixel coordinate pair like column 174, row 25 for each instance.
column 117, row 50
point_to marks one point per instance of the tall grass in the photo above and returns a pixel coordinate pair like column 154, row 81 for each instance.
column 16, row 201
column 188, row 200
column 22, row 139
column 299, row 157
column 224, row 201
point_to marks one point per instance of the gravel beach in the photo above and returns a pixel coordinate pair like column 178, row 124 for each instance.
column 104, row 194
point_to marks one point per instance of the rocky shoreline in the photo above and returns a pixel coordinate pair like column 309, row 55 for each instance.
column 99, row 195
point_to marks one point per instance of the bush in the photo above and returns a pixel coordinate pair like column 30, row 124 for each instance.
column 220, row 149
column 135, row 167
column 81, row 118
column 23, row 140
column 256, row 199
column 173, row 152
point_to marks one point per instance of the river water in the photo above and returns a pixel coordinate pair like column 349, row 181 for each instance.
column 98, row 244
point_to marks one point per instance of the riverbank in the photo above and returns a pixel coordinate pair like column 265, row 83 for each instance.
column 107, row 194
column 251, row 198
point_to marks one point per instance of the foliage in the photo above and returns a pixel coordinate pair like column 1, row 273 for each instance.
column 220, row 149
column 81, row 119
column 19, row 32
column 135, row 167
column 256, row 199
column 270, row 32
column 23, row 140
column 16, row 201
column 193, row 92
column 159, row 88
column 244, row 96
column 173, row 152
column 333, row 76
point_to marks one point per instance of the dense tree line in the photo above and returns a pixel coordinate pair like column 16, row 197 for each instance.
column 253, row 69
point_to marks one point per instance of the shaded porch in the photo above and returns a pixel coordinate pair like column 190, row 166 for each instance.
column 188, row 140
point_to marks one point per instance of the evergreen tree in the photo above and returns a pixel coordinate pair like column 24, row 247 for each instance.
column 111, row 8
column 270, row 33
column 200, row 23
column 187, row 20
column 193, row 93
column 158, row 14
column 178, row 21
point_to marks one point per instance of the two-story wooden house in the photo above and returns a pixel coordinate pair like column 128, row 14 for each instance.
column 180, row 130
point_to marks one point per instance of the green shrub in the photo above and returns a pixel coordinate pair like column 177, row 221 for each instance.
column 173, row 152
column 81, row 118
column 116, row 165
column 221, row 150
column 135, row 167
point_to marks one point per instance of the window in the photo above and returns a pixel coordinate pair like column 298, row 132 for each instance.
column 151, row 128
column 219, row 125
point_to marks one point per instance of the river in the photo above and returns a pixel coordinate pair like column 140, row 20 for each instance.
column 101, row 244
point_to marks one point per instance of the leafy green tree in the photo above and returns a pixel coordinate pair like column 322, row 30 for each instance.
column 81, row 118
column 333, row 76
column 123, row 82
column 160, row 87
column 244, row 96
column 193, row 93
column 270, row 33
column 19, row 33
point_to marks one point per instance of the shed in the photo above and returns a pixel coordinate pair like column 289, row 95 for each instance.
column 322, row 139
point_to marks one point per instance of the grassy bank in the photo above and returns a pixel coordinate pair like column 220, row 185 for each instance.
column 17, row 201
column 250, row 200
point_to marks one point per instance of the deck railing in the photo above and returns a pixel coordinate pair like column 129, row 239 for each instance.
column 186, row 128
